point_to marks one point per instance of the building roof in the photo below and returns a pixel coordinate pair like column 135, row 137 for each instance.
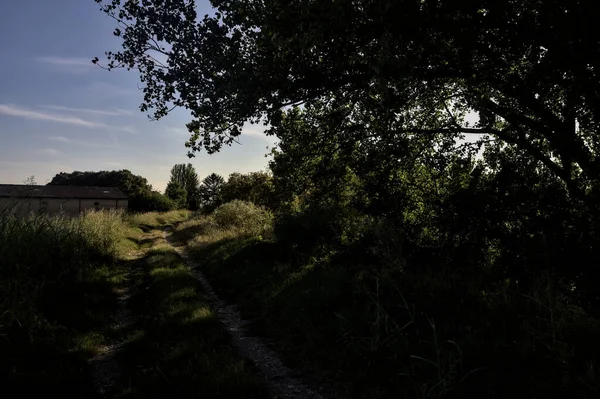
column 84, row 192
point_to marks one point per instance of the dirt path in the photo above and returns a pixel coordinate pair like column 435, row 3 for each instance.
column 281, row 380
column 105, row 369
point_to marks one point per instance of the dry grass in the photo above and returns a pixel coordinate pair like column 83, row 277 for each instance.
column 150, row 220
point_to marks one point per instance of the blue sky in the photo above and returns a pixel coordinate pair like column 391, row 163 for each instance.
column 59, row 112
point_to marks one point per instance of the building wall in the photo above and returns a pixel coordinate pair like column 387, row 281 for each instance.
column 103, row 204
column 56, row 205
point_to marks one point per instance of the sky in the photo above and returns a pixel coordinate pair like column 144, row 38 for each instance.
column 61, row 113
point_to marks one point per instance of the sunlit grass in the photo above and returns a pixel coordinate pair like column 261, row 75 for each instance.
column 89, row 343
column 178, row 348
column 150, row 220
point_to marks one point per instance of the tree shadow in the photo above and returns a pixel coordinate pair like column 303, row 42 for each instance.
column 177, row 347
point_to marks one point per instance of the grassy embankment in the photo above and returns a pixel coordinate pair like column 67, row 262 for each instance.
column 57, row 295
column 61, row 278
column 381, row 332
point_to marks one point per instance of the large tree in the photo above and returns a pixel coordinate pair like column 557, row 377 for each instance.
column 184, row 177
column 255, row 187
column 527, row 68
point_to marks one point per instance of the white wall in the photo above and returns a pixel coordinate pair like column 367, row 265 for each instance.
column 55, row 205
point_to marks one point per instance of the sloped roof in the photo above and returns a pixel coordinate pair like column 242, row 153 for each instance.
column 85, row 192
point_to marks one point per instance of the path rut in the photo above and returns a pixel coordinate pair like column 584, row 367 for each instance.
column 282, row 381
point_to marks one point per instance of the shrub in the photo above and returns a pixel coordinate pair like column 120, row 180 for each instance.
column 244, row 216
column 152, row 201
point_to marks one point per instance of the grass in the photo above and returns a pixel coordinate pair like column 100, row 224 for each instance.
column 152, row 220
column 60, row 279
column 57, row 296
column 385, row 333
column 177, row 347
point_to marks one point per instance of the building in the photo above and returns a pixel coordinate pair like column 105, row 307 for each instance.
column 55, row 199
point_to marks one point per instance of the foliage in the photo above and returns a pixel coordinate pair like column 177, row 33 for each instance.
column 255, row 187
column 151, row 201
column 243, row 216
column 399, row 62
column 449, row 267
column 130, row 184
column 184, row 177
column 176, row 193
column 210, row 190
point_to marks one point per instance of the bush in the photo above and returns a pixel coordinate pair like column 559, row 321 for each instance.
column 152, row 201
column 244, row 216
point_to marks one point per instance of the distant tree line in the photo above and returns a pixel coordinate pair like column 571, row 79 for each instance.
column 183, row 191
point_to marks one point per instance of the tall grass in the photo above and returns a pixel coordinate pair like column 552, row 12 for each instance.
column 47, row 264
column 38, row 251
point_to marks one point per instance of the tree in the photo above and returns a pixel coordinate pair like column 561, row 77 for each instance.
column 255, row 187
column 418, row 67
column 210, row 190
column 177, row 194
column 30, row 181
column 130, row 184
column 185, row 177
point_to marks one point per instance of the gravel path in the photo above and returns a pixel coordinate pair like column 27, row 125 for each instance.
column 281, row 380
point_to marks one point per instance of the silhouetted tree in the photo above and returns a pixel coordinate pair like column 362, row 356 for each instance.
column 210, row 189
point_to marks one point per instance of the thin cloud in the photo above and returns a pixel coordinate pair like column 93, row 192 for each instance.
column 25, row 113
column 127, row 129
column 86, row 143
column 116, row 112
column 66, row 61
column 12, row 110
column 61, row 139
column 48, row 151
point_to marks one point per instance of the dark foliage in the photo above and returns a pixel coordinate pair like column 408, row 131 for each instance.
column 435, row 182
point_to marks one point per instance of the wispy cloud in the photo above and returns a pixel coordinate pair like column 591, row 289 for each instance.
column 113, row 142
column 66, row 61
column 26, row 113
column 61, row 139
column 48, row 151
column 12, row 110
column 127, row 129
column 115, row 112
